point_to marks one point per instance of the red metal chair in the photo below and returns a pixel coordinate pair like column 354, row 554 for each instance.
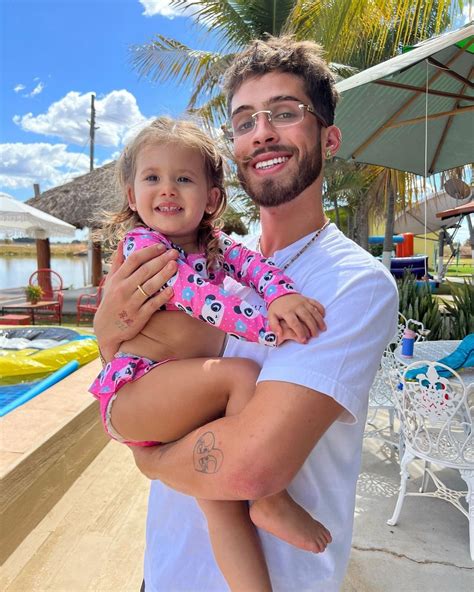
column 52, row 285
column 87, row 304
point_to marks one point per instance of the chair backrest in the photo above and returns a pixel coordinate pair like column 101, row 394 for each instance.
column 49, row 280
column 100, row 289
column 419, row 328
column 402, row 323
column 434, row 413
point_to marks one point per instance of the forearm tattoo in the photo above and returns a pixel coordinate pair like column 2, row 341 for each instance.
column 207, row 458
column 124, row 321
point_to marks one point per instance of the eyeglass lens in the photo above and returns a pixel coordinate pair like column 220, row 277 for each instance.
column 281, row 114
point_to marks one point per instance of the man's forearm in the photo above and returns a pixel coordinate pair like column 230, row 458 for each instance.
column 247, row 456
column 204, row 463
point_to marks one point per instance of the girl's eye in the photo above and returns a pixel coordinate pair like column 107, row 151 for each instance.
column 152, row 178
column 184, row 180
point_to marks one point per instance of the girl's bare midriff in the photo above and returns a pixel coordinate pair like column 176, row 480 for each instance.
column 174, row 334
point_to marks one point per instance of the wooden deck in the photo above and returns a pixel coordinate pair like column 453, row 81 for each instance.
column 93, row 538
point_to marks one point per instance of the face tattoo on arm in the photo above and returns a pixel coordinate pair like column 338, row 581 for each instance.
column 207, row 458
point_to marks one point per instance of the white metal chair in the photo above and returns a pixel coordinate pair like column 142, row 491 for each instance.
column 437, row 427
column 380, row 394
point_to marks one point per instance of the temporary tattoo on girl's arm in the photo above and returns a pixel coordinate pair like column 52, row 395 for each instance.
column 207, row 458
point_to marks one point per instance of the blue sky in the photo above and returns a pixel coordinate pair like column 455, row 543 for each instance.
column 55, row 54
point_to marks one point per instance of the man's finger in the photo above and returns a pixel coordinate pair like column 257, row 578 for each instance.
column 139, row 258
column 117, row 259
column 154, row 283
column 156, row 302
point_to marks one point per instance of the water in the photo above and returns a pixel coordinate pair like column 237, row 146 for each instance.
column 15, row 271
column 12, row 392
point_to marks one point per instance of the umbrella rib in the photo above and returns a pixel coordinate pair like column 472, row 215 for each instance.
column 403, row 108
column 450, row 72
column 445, row 131
column 431, row 91
column 449, row 113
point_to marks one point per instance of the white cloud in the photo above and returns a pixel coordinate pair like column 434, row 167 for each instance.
column 161, row 7
column 67, row 119
column 19, row 87
column 21, row 165
column 37, row 90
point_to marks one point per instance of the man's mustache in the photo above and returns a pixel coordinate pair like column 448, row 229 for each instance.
column 265, row 149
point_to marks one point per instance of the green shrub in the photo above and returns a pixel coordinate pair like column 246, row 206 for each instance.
column 461, row 311
column 454, row 321
column 417, row 302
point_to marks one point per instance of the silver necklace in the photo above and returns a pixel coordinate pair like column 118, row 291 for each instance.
column 303, row 248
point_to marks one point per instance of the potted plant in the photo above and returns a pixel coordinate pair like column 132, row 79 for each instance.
column 33, row 294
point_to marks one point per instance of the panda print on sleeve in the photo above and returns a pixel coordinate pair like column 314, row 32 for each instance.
column 203, row 300
column 251, row 269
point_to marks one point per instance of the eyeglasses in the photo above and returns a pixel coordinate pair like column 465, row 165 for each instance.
column 283, row 114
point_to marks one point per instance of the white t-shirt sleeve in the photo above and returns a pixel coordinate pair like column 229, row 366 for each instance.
column 342, row 361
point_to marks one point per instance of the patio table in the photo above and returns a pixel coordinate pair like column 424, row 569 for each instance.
column 28, row 307
column 434, row 351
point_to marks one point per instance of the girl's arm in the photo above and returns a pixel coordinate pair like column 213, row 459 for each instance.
column 205, row 301
column 294, row 317
column 255, row 271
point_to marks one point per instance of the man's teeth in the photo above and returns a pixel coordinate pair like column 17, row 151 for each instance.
column 169, row 208
column 265, row 164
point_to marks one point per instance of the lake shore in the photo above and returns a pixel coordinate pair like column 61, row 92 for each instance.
column 8, row 249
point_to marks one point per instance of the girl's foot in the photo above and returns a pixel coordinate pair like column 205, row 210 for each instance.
column 281, row 516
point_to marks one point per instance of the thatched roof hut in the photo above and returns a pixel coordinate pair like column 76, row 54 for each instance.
column 80, row 201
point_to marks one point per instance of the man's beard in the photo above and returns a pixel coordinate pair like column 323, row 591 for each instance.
column 272, row 192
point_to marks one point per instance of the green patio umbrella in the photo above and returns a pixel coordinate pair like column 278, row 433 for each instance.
column 387, row 111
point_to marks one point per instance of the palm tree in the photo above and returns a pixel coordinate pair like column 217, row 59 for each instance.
column 356, row 32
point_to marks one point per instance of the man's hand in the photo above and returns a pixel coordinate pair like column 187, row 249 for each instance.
column 124, row 310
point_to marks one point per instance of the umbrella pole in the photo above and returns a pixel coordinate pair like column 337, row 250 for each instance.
column 440, row 255
column 43, row 253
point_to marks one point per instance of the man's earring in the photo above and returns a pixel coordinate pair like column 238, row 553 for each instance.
column 328, row 153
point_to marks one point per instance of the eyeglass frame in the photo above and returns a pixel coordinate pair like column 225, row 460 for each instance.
column 302, row 106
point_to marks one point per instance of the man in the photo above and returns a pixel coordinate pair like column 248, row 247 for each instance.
column 303, row 428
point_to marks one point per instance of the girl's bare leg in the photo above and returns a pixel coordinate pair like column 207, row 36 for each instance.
column 171, row 401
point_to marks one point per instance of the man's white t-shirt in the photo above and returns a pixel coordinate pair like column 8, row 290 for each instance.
column 361, row 304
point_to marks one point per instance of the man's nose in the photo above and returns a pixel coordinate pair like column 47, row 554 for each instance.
column 263, row 132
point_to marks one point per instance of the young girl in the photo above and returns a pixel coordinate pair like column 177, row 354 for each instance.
column 162, row 385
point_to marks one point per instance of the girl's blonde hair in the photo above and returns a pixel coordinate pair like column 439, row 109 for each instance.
column 177, row 132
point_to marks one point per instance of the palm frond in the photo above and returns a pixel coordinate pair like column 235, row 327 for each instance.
column 235, row 22
column 213, row 113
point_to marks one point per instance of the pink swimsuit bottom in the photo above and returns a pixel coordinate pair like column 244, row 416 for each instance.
column 124, row 368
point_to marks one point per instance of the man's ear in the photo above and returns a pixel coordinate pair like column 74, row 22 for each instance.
column 131, row 198
column 333, row 138
column 213, row 200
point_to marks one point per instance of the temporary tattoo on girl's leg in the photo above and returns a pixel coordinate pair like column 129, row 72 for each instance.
column 207, row 458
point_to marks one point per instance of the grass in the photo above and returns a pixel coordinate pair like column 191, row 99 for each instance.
column 8, row 249
column 463, row 269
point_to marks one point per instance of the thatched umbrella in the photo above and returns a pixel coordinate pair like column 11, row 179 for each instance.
column 80, row 202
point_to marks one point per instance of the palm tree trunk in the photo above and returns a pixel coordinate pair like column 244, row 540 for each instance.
column 388, row 239
column 336, row 212
column 361, row 222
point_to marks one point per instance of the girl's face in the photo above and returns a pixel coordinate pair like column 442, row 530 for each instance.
column 171, row 191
